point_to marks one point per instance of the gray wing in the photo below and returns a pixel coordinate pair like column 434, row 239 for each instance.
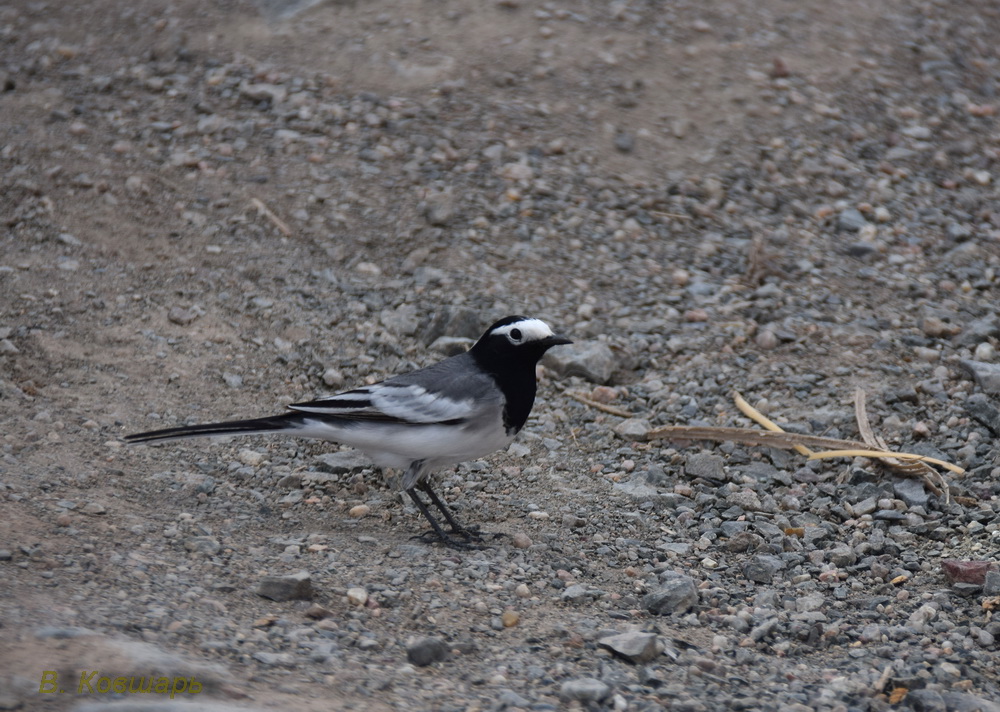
column 450, row 391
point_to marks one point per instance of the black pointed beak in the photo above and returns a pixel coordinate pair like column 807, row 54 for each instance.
column 555, row 340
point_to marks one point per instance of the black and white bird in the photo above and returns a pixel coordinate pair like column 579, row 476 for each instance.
column 458, row 409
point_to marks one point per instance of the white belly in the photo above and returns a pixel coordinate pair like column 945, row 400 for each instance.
column 401, row 445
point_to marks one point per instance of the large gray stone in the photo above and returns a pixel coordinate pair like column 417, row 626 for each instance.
column 705, row 464
column 402, row 320
column 634, row 646
column 633, row 429
column 584, row 689
column 986, row 375
column 344, row 462
column 454, row 322
column 763, row 568
column 980, row 408
column 426, row 651
column 911, row 491
column 591, row 360
column 676, row 595
column 851, row 220
column 286, row 588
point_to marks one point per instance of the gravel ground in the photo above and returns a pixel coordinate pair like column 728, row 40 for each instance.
column 212, row 210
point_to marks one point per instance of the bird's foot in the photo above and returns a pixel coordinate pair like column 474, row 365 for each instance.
column 486, row 538
column 455, row 540
column 470, row 533
column 461, row 538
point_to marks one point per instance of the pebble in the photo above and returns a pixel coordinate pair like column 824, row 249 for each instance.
column 264, row 92
column 207, row 545
column 677, row 594
column 766, row 339
column 625, row 142
column 333, row 378
column 427, row 651
column 593, row 361
column 938, row 328
column 250, row 458
column 575, row 593
column 986, row 375
column 763, row 568
column 584, row 689
column 357, row 596
column 286, row 588
column 851, row 220
column 707, row 465
column 985, row 352
column 318, row 612
column 911, row 491
column 520, row 540
column 633, row 429
column 184, row 316
column 980, row 408
column 233, row 380
column 343, row 462
column 634, row 647
column 973, row 572
column 274, row 659
column 991, row 583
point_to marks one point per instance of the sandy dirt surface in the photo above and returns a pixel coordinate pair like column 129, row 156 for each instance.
column 212, row 210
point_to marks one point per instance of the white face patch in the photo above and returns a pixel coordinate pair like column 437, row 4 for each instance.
column 529, row 330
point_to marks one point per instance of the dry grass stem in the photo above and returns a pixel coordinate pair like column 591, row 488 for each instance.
column 871, row 446
column 597, row 405
column 269, row 214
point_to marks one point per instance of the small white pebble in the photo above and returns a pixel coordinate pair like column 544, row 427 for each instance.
column 368, row 268
column 766, row 339
column 333, row 378
column 250, row 457
column 357, row 596
column 359, row 511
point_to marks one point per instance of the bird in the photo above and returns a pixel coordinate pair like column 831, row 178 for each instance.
column 458, row 409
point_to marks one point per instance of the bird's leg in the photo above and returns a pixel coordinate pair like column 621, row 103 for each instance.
column 456, row 528
column 441, row 533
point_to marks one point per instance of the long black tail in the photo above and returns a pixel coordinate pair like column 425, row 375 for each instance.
column 273, row 424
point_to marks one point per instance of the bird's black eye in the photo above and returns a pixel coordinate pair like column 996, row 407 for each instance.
column 515, row 334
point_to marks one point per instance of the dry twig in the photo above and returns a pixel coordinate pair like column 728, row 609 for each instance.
column 675, row 216
column 599, row 406
column 906, row 464
column 269, row 214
